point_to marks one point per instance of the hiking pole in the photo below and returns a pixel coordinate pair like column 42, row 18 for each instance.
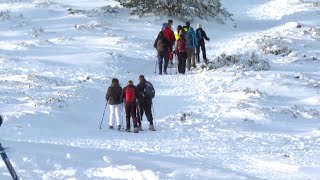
column 155, row 67
column 105, row 107
column 8, row 163
column 154, row 119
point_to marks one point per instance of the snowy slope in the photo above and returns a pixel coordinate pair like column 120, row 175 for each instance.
column 57, row 58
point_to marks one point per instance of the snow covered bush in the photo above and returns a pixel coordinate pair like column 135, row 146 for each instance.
column 94, row 25
column 105, row 10
column 245, row 62
column 185, row 10
column 4, row 15
column 37, row 31
column 276, row 46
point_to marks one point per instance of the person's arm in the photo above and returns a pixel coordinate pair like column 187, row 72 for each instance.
column 123, row 94
column 108, row 94
column 204, row 35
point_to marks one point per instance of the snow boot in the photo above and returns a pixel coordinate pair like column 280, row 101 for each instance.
column 136, row 130
column 119, row 127
column 151, row 127
column 110, row 127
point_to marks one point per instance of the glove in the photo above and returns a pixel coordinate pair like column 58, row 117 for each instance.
column 208, row 39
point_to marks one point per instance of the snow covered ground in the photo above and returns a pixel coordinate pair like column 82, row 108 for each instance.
column 57, row 58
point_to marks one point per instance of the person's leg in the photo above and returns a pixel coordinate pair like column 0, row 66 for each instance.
column 112, row 114
column 183, row 62
column 203, row 49
column 147, row 107
column 134, row 115
column 160, row 59
column 180, row 62
column 193, row 57
column 128, row 112
column 118, row 114
column 189, row 58
column 198, row 53
column 166, row 62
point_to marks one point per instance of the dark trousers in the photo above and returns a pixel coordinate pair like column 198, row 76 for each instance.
column 131, row 110
column 203, row 49
column 182, row 58
column 163, row 56
column 145, row 107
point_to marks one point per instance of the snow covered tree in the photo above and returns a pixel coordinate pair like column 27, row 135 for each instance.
column 182, row 9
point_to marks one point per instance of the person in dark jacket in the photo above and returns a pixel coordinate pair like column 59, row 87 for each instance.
column 201, row 36
column 130, row 97
column 145, row 103
column 113, row 98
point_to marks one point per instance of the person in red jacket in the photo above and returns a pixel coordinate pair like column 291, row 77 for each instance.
column 169, row 35
column 130, row 96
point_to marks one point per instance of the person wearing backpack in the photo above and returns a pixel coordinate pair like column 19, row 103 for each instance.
column 113, row 98
column 161, row 44
column 169, row 35
column 130, row 95
column 201, row 36
column 192, row 42
column 146, row 94
column 181, row 51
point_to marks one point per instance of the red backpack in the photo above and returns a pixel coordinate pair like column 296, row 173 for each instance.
column 130, row 94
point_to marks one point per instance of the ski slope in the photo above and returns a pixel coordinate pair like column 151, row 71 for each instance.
column 57, row 59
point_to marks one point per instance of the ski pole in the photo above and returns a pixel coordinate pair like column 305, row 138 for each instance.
column 154, row 119
column 105, row 107
column 155, row 67
column 8, row 163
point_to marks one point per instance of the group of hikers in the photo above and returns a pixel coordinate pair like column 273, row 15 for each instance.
column 137, row 101
column 184, row 42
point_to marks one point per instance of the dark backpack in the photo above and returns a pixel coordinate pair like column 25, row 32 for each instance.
column 148, row 90
column 130, row 94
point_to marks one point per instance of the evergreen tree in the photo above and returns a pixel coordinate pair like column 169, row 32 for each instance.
column 182, row 9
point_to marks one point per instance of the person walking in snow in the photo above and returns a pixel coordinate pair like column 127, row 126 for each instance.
column 201, row 36
column 162, row 44
column 192, row 42
column 146, row 93
column 130, row 95
column 169, row 35
column 113, row 98
column 181, row 51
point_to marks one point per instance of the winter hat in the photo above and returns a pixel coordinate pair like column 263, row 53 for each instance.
column 170, row 21
column 130, row 82
column 114, row 80
column 199, row 26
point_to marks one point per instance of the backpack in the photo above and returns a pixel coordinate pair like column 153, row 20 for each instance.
column 160, row 45
column 181, row 45
column 130, row 94
column 189, row 39
column 148, row 90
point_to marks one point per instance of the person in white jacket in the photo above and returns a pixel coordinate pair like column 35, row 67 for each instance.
column 113, row 98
